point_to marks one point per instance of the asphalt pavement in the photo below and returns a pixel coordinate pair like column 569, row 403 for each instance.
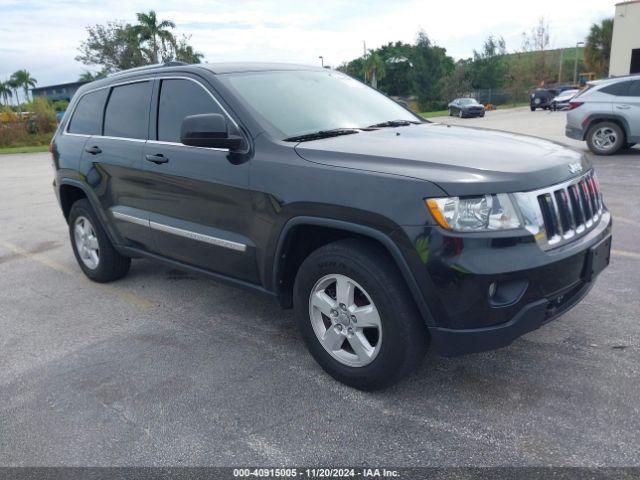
column 167, row 368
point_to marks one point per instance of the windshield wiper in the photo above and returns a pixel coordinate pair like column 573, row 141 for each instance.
column 335, row 132
column 393, row 123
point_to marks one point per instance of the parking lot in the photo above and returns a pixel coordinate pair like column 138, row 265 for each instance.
column 166, row 368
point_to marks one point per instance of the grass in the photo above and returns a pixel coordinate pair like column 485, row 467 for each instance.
column 26, row 149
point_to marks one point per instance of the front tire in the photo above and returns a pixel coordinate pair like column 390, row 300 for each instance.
column 94, row 252
column 460, row 114
column 606, row 138
column 356, row 315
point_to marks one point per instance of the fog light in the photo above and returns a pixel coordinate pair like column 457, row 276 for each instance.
column 492, row 289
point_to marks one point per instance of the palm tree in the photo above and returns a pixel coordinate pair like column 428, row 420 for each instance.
column 88, row 76
column 374, row 68
column 24, row 79
column 13, row 84
column 5, row 92
column 597, row 49
column 186, row 53
column 148, row 29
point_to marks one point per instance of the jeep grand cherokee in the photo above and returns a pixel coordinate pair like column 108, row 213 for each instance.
column 383, row 231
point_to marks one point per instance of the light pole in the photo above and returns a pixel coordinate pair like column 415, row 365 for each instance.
column 575, row 66
column 321, row 60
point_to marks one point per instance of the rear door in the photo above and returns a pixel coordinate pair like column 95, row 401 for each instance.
column 199, row 202
column 632, row 111
column 112, row 161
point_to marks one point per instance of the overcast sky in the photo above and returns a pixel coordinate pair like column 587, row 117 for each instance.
column 43, row 35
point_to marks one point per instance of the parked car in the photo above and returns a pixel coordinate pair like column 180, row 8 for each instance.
column 466, row 107
column 541, row 98
column 606, row 115
column 383, row 231
column 561, row 101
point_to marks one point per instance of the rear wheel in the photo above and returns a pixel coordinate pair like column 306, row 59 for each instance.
column 356, row 315
column 93, row 250
column 605, row 138
column 533, row 109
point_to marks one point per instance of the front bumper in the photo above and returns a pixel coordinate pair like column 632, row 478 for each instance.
column 534, row 287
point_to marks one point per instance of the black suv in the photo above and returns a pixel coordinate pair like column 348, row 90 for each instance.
column 542, row 98
column 383, row 231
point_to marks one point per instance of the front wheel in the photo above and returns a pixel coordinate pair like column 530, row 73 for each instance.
column 356, row 315
column 460, row 114
column 533, row 109
column 94, row 252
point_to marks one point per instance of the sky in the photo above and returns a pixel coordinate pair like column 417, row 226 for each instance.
column 43, row 35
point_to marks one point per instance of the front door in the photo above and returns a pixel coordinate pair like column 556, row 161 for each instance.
column 199, row 201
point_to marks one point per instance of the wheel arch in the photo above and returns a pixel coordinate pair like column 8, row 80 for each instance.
column 289, row 254
column 592, row 120
column 70, row 191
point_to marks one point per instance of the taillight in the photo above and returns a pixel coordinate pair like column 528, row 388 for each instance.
column 574, row 105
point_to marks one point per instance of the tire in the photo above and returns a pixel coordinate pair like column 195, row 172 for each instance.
column 533, row 109
column 460, row 114
column 605, row 138
column 402, row 338
column 450, row 113
column 103, row 264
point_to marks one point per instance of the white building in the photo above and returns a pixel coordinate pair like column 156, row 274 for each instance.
column 625, row 44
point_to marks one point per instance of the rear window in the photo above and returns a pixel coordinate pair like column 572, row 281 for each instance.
column 634, row 89
column 619, row 89
column 127, row 113
column 87, row 117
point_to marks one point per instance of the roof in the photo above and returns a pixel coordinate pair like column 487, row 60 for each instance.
column 627, row 2
column 60, row 85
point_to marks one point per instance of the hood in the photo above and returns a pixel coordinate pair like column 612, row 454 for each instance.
column 460, row 160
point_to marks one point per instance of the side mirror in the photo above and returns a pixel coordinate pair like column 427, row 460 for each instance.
column 208, row 130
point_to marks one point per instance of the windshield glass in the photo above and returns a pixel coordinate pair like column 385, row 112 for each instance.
column 301, row 102
column 468, row 101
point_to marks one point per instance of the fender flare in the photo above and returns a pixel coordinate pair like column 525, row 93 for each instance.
column 363, row 230
column 604, row 117
column 97, row 208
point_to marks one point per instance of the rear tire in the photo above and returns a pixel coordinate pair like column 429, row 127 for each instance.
column 94, row 252
column 400, row 342
column 533, row 109
column 605, row 138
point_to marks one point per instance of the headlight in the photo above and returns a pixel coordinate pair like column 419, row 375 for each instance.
column 474, row 214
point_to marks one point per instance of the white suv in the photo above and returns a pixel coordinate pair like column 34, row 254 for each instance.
column 606, row 115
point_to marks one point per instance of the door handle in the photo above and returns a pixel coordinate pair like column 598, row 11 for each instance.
column 623, row 107
column 157, row 159
column 95, row 150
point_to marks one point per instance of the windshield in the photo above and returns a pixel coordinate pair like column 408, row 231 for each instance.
column 468, row 101
column 302, row 102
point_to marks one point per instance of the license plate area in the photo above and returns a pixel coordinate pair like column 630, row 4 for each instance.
column 598, row 258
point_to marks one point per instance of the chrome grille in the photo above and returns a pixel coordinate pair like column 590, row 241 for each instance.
column 557, row 214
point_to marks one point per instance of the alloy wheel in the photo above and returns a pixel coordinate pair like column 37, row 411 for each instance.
column 345, row 320
column 86, row 242
column 605, row 138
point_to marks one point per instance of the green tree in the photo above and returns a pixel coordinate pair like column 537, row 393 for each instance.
column 432, row 66
column 185, row 52
column 154, row 32
column 6, row 92
column 374, row 68
column 458, row 82
column 489, row 68
column 398, row 66
column 597, row 48
column 23, row 79
column 115, row 46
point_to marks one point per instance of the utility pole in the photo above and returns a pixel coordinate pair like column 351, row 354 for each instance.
column 560, row 67
column 364, row 58
column 321, row 61
column 575, row 67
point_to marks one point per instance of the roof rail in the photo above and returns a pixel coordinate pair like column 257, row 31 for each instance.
column 173, row 63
